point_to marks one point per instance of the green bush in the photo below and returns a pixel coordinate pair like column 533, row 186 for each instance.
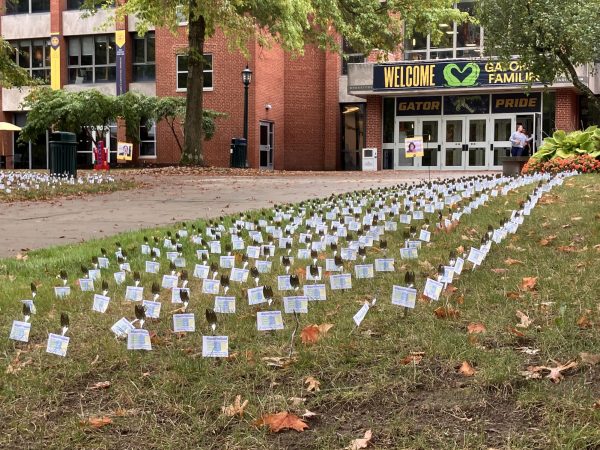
column 570, row 145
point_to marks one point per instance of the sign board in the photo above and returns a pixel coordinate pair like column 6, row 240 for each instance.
column 124, row 151
column 457, row 74
column 413, row 146
column 519, row 102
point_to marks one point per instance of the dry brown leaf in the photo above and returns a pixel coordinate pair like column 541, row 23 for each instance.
column 313, row 384
column 282, row 421
column 21, row 257
column 547, row 240
column 513, row 295
column 584, row 322
column 97, row 422
column 99, row 385
column 516, row 332
column 236, row 408
column 296, row 401
column 450, row 289
column 512, row 262
column 597, row 404
column 554, row 373
column 524, row 318
column 466, row 369
column 279, row 362
column 412, row 358
column 475, row 328
column 446, row 312
column 528, row 283
column 460, row 250
column 589, row 358
column 312, row 333
column 499, row 271
column 17, row 364
column 567, row 249
column 363, row 442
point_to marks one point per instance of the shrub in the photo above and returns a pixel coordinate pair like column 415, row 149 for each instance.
column 569, row 145
column 582, row 163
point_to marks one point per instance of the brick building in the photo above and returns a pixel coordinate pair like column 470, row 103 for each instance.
column 314, row 112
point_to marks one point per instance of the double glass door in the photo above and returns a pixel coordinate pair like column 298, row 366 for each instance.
column 466, row 143
column 430, row 130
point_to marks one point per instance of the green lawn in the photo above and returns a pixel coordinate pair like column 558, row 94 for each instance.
column 171, row 397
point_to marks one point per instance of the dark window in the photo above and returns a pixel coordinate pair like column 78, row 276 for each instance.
column 148, row 141
column 353, row 135
column 27, row 6
column 182, row 72
column 92, row 59
column 144, row 61
column 34, row 56
column 349, row 56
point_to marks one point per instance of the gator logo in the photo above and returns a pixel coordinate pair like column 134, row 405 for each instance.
column 465, row 77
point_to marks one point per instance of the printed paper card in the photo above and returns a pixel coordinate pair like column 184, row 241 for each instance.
column 448, row 275
column 134, row 293
column 103, row 263
column 256, row 296
column 227, row 262
column 264, row 266
column 172, row 256
column 330, row 266
column 145, row 249
column 157, row 252
column 384, row 265
column 184, row 323
column 315, row 292
column 458, row 266
column 318, row 246
column 237, row 244
column 364, row 271
column 283, row 283
column 94, row 274
column 340, row 281
column 20, row 331
column 210, row 286
column 57, row 344
column 152, row 308
column 179, row 262
column 125, row 267
column 404, row 296
column 475, row 256
column 391, row 226
column 284, row 241
column 202, row 253
column 215, row 247
column 425, row 235
column 167, row 243
column 348, row 254
column 269, row 320
column 183, row 233
column 239, row 275
column 139, row 339
column 100, row 303
column 176, row 294
column 433, row 289
column 267, row 250
column 360, row 315
column 225, row 305
column 414, row 244
column 215, row 346
column 169, row 281
column 297, row 304
column 62, row 291
column 409, row 253
column 122, row 327
column 201, row 271
column 405, row 219
column 119, row 277
column 152, row 267
column 31, row 305
column 418, row 215
column 303, row 253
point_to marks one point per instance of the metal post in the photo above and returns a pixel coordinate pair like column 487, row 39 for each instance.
column 246, row 113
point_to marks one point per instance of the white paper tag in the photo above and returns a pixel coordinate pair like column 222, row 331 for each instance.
column 100, row 303
column 256, row 296
column 224, row 305
column 134, row 293
column 364, row 271
column 121, row 327
column 360, row 315
column 315, row 292
column 57, row 344
column 184, row 323
column 20, row 331
column 62, row 291
column 340, row 281
column 139, row 339
column 269, row 320
column 296, row 304
column 404, row 296
column 152, row 308
column 215, row 346
column 433, row 289
column 211, row 286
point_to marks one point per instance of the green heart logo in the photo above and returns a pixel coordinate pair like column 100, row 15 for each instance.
column 469, row 74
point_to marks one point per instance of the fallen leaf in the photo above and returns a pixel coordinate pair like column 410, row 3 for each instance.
column 296, row 401
column 547, row 240
column 450, row 289
column 279, row 362
column 513, row 295
column 584, row 322
column 528, row 350
column 282, row 421
column 475, row 328
column 97, row 422
column 516, row 332
column 236, row 408
column 22, row 257
column 313, row 384
column 466, row 369
column 312, row 333
column 566, row 249
column 554, row 373
column 589, row 358
column 363, row 442
column 499, row 271
column 17, row 364
column 512, row 262
column 525, row 320
column 412, row 358
column 99, row 385
column 528, row 283
column 308, row 414
column 444, row 312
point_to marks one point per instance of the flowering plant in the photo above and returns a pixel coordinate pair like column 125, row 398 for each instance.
column 582, row 163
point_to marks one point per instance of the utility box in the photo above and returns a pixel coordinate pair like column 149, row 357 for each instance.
column 238, row 151
column 63, row 154
column 369, row 159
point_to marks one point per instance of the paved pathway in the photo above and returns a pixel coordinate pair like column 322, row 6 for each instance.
column 168, row 198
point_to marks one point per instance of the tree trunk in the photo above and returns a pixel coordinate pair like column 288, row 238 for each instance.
column 193, row 133
column 570, row 68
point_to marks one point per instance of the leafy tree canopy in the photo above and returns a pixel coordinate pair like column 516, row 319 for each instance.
column 11, row 74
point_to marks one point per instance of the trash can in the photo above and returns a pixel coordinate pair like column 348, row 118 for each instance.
column 238, row 153
column 63, row 154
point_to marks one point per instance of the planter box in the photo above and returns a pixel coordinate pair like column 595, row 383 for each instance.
column 512, row 165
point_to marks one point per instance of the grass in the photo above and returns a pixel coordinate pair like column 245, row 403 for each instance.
column 47, row 192
column 171, row 398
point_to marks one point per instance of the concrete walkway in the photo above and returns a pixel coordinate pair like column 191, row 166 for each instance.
column 167, row 198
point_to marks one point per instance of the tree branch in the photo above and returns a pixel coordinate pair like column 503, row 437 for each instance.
column 570, row 68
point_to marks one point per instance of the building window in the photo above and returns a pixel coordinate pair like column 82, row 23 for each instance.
column 27, row 6
column 459, row 40
column 33, row 56
column 92, row 59
column 148, row 141
column 182, row 72
column 144, row 62
column 349, row 56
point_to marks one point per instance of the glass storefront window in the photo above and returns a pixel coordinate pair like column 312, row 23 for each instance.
column 389, row 114
column 406, row 129
column 353, row 135
column 502, row 129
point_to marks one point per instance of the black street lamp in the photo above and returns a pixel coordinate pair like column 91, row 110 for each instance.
column 246, row 78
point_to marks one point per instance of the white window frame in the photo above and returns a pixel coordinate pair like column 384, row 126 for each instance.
column 147, row 140
column 177, row 72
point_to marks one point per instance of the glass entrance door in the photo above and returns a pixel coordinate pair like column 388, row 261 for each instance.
column 430, row 130
column 266, row 145
column 500, row 146
column 477, row 142
column 404, row 129
column 454, row 143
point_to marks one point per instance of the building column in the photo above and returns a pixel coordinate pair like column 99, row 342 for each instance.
column 331, row 146
column 373, row 128
column 59, row 50
column 567, row 110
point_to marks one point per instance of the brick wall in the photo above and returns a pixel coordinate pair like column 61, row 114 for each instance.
column 374, row 125
column 567, row 110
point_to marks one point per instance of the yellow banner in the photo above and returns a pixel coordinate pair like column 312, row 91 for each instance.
column 55, row 61
column 120, row 38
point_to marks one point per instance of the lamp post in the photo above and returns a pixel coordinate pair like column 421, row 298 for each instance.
column 246, row 78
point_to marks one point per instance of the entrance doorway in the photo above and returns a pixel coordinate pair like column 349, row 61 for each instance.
column 266, row 145
column 466, row 143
